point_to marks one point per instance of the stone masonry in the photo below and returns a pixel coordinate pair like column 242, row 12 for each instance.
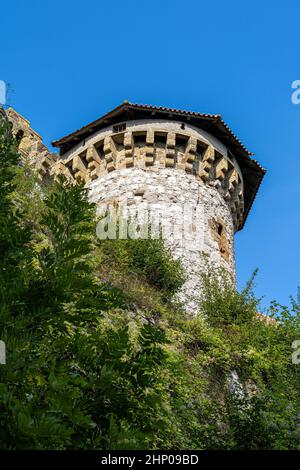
column 173, row 162
column 163, row 190
column 30, row 144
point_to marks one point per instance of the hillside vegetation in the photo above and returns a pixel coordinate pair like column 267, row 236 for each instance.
column 100, row 356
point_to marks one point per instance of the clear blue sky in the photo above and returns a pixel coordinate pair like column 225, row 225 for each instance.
column 69, row 62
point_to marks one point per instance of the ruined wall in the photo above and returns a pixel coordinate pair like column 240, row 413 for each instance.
column 30, row 144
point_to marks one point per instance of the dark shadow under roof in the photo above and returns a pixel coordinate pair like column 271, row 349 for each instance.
column 252, row 171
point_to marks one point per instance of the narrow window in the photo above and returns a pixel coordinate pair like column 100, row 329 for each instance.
column 119, row 127
column 218, row 232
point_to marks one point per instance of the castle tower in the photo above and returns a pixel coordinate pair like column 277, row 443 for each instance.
column 187, row 166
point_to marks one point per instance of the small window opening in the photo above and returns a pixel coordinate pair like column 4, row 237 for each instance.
column 82, row 155
column 220, row 229
column 118, row 140
column 100, row 149
column 119, row 127
column 140, row 138
column 201, row 147
column 161, row 138
column 181, row 140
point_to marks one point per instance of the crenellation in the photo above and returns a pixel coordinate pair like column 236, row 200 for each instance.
column 30, row 144
column 206, row 163
column 190, row 154
column 157, row 149
column 80, row 168
column 221, row 169
column 170, row 150
column 110, row 153
column 129, row 149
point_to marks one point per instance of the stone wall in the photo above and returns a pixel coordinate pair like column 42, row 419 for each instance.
column 30, row 144
column 173, row 193
column 167, row 167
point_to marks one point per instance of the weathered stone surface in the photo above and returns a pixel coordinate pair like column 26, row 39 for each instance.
column 156, row 166
column 31, row 146
column 168, row 191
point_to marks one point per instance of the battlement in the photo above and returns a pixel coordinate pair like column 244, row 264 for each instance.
column 211, row 128
column 30, row 143
column 148, row 144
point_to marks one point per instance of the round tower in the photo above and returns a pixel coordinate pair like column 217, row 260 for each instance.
column 187, row 171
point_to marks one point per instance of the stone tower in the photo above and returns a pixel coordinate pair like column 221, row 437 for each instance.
column 187, row 166
column 175, row 162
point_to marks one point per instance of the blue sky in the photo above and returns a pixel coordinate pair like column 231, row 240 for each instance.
column 68, row 62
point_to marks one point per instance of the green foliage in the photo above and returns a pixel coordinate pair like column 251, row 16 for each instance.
column 64, row 254
column 99, row 356
column 147, row 259
column 222, row 303
column 13, row 237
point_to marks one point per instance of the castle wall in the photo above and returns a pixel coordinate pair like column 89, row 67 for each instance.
column 30, row 144
column 176, row 195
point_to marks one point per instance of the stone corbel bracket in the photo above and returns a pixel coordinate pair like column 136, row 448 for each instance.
column 118, row 151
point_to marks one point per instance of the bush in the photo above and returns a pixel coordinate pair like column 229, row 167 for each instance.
column 146, row 258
